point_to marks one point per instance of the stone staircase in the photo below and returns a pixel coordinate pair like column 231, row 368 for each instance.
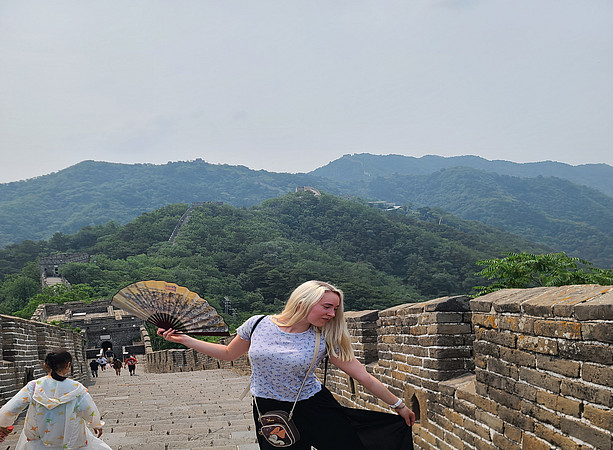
column 186, row 410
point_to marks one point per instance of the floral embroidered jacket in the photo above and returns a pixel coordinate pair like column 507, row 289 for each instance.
column 57, row 412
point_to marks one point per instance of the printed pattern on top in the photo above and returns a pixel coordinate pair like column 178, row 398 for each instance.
column 280, row 360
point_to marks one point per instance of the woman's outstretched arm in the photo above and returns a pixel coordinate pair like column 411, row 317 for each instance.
column 230, row 352
column 358, row 372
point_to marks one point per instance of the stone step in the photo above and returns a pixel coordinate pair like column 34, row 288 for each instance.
column 187, row 410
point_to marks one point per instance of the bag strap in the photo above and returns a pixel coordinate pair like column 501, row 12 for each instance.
column 325, row 369
column 246, row 390
column 317, row 343
column 255, row 325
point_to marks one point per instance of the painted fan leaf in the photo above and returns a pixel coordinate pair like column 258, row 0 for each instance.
column 167, row 305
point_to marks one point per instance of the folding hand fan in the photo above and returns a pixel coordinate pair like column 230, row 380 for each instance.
column 167, row 305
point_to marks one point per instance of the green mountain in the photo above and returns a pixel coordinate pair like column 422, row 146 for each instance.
column 255, row 256
column 565, row 216
column 364, row 166
column 93, row 193
column 551, row 210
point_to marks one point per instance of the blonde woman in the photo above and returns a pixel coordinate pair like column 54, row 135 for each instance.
column 281, row 349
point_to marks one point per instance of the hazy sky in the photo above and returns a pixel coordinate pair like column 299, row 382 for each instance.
column 291, row 85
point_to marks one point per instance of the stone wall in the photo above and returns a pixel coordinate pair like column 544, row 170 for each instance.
column 186, row 360
column 23, row 347
column 515, row 369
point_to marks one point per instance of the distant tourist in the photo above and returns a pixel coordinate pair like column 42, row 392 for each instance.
column 102, row 362
column 117, row 366
column 131, row 363
column 109, row 355
column 93, row 365
column 58, row 409
column 281, row 348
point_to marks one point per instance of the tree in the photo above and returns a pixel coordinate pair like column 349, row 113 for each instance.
column 524, row 270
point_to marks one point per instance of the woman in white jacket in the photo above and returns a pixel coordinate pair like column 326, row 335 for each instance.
column 58, row 410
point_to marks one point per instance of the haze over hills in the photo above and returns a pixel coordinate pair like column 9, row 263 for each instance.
column 364, row 166
column 546, row 209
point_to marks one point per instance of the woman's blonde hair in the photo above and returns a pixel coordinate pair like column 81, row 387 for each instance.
column 299, row 305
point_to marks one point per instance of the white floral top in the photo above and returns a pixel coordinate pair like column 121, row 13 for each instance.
column 280, row 360
column 57, row 413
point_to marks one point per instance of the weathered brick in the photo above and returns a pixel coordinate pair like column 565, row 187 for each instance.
column 540, row 379
column 450, row 352
column 554, row 437
column 490, row 420
column 476, row 428
column 558, row 328
column 602, row 332
column 596, row 308
column 558, row 365
column 504, row 443
column 597, row 374
column 537, row 344
column 440, row 317
column 510, row 401
column 540, row 414
column 525, row 391
column 487, row 348
column 512, row 433
column 516, row 418
column 582, row 351
column 453, row 329
column 505, row 339
column 517, row 357
column 602, row 418
column 443, row 340
column 503, row 368
column 485, row 320
column 495, row 380
column 581, row 431
column 517, row 324
column 534, row 443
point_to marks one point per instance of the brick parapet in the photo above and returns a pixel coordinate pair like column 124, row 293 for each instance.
column 545, row 357
column 24, row 345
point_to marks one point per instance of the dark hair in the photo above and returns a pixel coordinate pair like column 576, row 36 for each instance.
column 57, row 359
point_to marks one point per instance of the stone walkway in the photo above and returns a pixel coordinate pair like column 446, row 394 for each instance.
column 187, row 410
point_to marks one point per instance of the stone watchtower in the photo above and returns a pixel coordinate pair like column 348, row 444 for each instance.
column 104, row 326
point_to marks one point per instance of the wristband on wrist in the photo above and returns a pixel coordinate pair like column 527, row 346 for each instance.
column 397, row 404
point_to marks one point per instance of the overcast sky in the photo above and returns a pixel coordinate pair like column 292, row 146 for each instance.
column 289, row 86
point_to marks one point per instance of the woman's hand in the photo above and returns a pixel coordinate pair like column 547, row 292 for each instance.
column 5, row 431
column 407, row 415
column 98, row 432
column 171, row 335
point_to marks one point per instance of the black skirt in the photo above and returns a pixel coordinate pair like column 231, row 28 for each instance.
column 327, row 425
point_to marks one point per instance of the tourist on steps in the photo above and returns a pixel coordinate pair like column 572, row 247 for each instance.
column 93, row 365
column 131, row 363
column 58, row 409
column 117, row 366
column 281, row 348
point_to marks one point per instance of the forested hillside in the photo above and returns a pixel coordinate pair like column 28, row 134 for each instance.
column 93, row 193
column 553, row 211
column 256, row 256
column 567, row 217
